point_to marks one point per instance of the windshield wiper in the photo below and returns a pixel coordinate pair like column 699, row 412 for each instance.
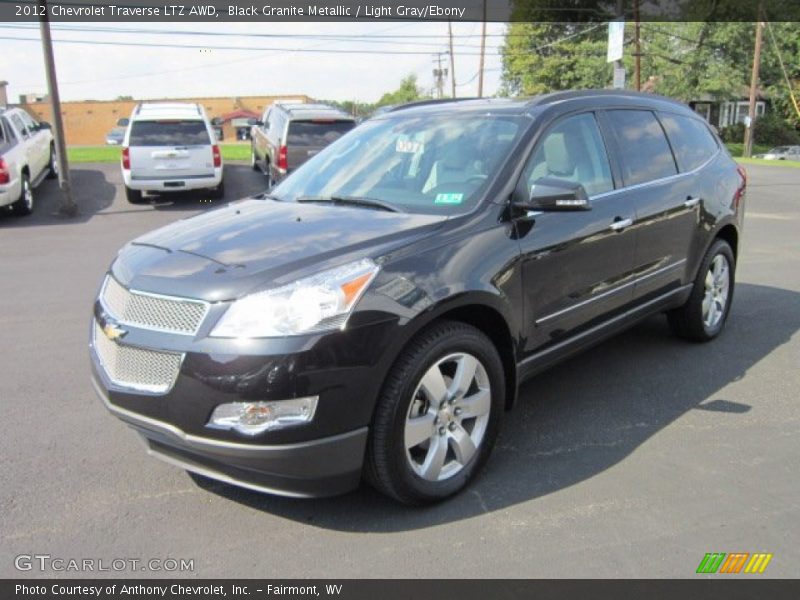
column 265, row 196
column 351, row 201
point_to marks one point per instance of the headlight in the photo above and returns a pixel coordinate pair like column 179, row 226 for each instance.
column 321, row 302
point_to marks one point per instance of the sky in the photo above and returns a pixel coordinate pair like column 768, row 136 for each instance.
column 104, row 72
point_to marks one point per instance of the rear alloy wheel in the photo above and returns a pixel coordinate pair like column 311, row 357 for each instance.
column 438, row 415
column 24, row 206
column 253, row 161
column 703, row 316
column 52, row 166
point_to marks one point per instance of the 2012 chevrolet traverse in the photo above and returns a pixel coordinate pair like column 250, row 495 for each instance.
column 372, row 315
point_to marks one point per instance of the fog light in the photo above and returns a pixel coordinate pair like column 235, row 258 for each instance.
column 252, row 418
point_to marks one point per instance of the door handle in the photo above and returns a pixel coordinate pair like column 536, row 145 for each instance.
column 620, row 224
column 691, row 202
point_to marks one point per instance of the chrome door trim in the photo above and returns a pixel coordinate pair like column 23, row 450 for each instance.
column 605, row 294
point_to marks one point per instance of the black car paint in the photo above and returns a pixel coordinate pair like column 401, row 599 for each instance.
column 542, row 286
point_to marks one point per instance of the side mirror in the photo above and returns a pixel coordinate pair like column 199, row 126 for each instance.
column 44, row 125
column 254, row 123
column 551, row 194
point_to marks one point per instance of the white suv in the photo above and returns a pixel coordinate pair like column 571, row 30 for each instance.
column 170, row 148
column 27, row 156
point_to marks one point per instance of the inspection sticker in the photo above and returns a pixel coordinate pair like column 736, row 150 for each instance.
column 451, row 198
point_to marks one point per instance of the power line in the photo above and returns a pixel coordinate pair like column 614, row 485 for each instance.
column 172, row 33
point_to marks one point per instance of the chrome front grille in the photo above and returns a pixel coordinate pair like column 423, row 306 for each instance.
column 136, row 368
column 152, row 311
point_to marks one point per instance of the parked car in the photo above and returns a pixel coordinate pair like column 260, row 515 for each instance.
column 116, row 136
column 374, row 314
column 781, row 153
column 170, row 148
column 27, row 157
column 290, row 134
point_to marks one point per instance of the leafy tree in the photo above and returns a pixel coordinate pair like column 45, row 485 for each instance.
column 407, row 92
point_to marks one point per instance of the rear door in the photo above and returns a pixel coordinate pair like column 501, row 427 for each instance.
column 39, row 145
column 666, row 204
column 306, row 137
column 170, row 149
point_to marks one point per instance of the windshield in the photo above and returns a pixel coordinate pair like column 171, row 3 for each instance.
column 430, row 164
column 169, row 133
column 779, row 150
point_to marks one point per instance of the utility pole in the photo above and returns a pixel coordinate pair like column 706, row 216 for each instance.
column 452, row 58
column 483, row 52
column 439, row 74
column 68, row 208
column 638, row 46
column 751, row 111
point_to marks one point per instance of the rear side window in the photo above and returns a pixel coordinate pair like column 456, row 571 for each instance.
column 317, row 133
column 169, row 133
column 21, row 129
column 643, row 147
column 691, row 140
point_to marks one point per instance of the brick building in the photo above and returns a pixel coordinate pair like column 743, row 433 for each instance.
column 87, row 122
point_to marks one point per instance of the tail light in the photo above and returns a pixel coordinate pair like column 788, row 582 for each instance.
column 5, row 176
column 126, row 159
column 283, row 162
column 217, row 155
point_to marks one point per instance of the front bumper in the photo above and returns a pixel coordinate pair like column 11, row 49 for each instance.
column 322, row 467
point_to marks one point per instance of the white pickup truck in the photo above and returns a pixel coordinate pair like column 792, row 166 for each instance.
column 27, row 157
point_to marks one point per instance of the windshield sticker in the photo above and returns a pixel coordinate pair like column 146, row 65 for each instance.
column 408, row 146
column 452, row 198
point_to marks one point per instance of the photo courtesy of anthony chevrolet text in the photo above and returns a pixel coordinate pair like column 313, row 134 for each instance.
column 399, row 299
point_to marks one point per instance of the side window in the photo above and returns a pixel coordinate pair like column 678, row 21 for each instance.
column 644, row 150
column 572, row 150
column 691, row 140
column 20, row 126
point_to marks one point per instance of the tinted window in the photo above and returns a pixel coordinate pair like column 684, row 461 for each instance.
column 691, row 140
column 572, row 150
column 169, row 133
column 322, row 133
column 19, row 125
column 644, row 151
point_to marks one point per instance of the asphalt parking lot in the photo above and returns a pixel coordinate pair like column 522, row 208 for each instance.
column 633, row 459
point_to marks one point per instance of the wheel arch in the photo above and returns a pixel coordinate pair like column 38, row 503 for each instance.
column 485, row 312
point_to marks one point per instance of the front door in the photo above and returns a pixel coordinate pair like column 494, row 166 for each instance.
column 577, row 267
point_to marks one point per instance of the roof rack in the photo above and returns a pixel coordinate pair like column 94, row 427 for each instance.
column 417, row 103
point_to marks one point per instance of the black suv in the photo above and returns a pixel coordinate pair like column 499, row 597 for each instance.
column 289, row 134
column 373, row 314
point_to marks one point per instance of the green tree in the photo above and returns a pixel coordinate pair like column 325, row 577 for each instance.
column 407, row 92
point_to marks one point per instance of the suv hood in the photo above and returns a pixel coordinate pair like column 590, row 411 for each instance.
column 226, row 253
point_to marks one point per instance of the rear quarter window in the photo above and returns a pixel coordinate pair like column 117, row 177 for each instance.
column 317, row 133
column 644, row 151
column 169, row 133
column 691, row 140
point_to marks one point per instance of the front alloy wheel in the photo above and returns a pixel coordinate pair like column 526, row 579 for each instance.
column 448, row 416
column 437, row 416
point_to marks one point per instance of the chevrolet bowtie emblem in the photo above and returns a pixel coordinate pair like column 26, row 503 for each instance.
column 114, row 331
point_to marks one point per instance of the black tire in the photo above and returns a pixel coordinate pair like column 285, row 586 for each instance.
column 688, row 321
column 219, row 191
column 52, row 166
column 268, row 173
column 134, row 196
column 24, row 205
column 254, row 159
column 388, row 465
